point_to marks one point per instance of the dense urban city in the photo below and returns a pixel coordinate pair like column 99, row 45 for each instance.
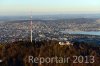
column 60, row 29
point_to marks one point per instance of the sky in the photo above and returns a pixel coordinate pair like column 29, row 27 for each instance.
column 25, row 7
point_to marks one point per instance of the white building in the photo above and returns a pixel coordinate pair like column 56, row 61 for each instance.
column 68, row 43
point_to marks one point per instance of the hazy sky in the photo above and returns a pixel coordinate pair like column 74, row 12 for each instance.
column 21, row 7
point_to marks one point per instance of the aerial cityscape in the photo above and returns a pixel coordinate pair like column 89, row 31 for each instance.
column 58, row 29
column 49, row 32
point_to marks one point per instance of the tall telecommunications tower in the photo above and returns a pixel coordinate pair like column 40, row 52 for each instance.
column 31, row 37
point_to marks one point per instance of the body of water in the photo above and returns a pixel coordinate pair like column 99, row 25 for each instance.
column 83, row 32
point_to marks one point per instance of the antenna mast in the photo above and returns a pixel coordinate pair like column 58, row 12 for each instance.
column 31, row 37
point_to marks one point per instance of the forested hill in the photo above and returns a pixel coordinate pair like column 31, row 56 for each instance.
column 16, row 53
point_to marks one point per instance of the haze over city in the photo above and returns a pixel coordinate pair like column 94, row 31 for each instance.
column 37, row 7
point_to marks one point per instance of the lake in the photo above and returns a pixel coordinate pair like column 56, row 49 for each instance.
column 83, row 32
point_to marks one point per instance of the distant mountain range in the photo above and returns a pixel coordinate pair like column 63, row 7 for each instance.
column 50, row 17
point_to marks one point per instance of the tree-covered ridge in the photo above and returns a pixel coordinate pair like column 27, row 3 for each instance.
column 16, row 53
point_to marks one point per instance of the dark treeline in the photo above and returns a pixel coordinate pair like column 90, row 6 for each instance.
column 16, row 53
